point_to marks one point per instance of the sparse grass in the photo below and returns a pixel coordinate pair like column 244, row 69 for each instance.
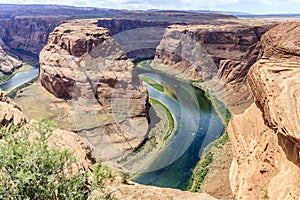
column 222, row 140
column 220, row 107
column 152, row 83
column 265, row 192
column 196, row 81
column 170, row 93
column 171, row 121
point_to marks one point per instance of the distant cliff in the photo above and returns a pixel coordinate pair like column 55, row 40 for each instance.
column 119, row 25
column 27, row 33
column 220, row 53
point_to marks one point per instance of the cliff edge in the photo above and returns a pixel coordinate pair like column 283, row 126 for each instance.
column 265, row 138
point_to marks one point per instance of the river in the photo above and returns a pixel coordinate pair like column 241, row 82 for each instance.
column 20, row 79
column 198, row 126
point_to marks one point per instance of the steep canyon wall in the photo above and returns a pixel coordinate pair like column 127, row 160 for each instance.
column 265, row 138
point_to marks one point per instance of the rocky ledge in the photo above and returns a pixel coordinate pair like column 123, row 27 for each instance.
column 265, row 138
column 84, row 65
column 10, row 112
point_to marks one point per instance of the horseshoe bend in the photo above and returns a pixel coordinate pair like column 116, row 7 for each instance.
column 169, row 104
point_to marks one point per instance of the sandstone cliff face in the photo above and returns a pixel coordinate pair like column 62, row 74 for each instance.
column 82, row 63
column 119, row 25
column 27, row 33
column 8, row 63
column 219, row 53
column 232, row 47
column 265, row 138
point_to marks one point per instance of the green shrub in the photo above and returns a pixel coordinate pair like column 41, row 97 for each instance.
column 222, row 140
column 31, row 169
column 200, row 172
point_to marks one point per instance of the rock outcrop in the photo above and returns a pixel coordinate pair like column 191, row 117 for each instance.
column 8, row 63
column 265, row 138
column 10, row 112
column 67, row 140
column 81, row 62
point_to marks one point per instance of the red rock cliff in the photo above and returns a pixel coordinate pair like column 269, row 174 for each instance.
column 265, row 138
column 220, row 51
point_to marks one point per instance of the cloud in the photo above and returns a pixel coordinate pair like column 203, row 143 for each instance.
column 251, row 6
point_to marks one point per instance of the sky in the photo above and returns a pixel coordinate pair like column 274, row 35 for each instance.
column 248, row 6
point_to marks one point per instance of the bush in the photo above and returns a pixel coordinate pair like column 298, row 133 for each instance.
column 30, row 169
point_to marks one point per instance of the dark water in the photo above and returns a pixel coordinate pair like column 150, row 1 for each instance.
column 20, row 79
column 198, row 125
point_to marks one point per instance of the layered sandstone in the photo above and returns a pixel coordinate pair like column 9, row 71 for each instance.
column 8, row 63
column 265, row 138
column 27, row 33
column 232, row 47
column 218, row 53
column 82, row 63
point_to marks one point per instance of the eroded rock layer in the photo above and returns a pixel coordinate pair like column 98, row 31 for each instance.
column 233, row 48
column 27, row 33
column 82, row 63
column 265, row 138
column 8, row 63
column 222, row 52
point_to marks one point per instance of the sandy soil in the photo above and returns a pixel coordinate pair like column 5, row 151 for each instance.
column 217, row 182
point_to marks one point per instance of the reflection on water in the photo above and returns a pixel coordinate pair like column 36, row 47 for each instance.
column 198, row 125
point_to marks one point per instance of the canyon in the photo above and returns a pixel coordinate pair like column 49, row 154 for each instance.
column 252, row 66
